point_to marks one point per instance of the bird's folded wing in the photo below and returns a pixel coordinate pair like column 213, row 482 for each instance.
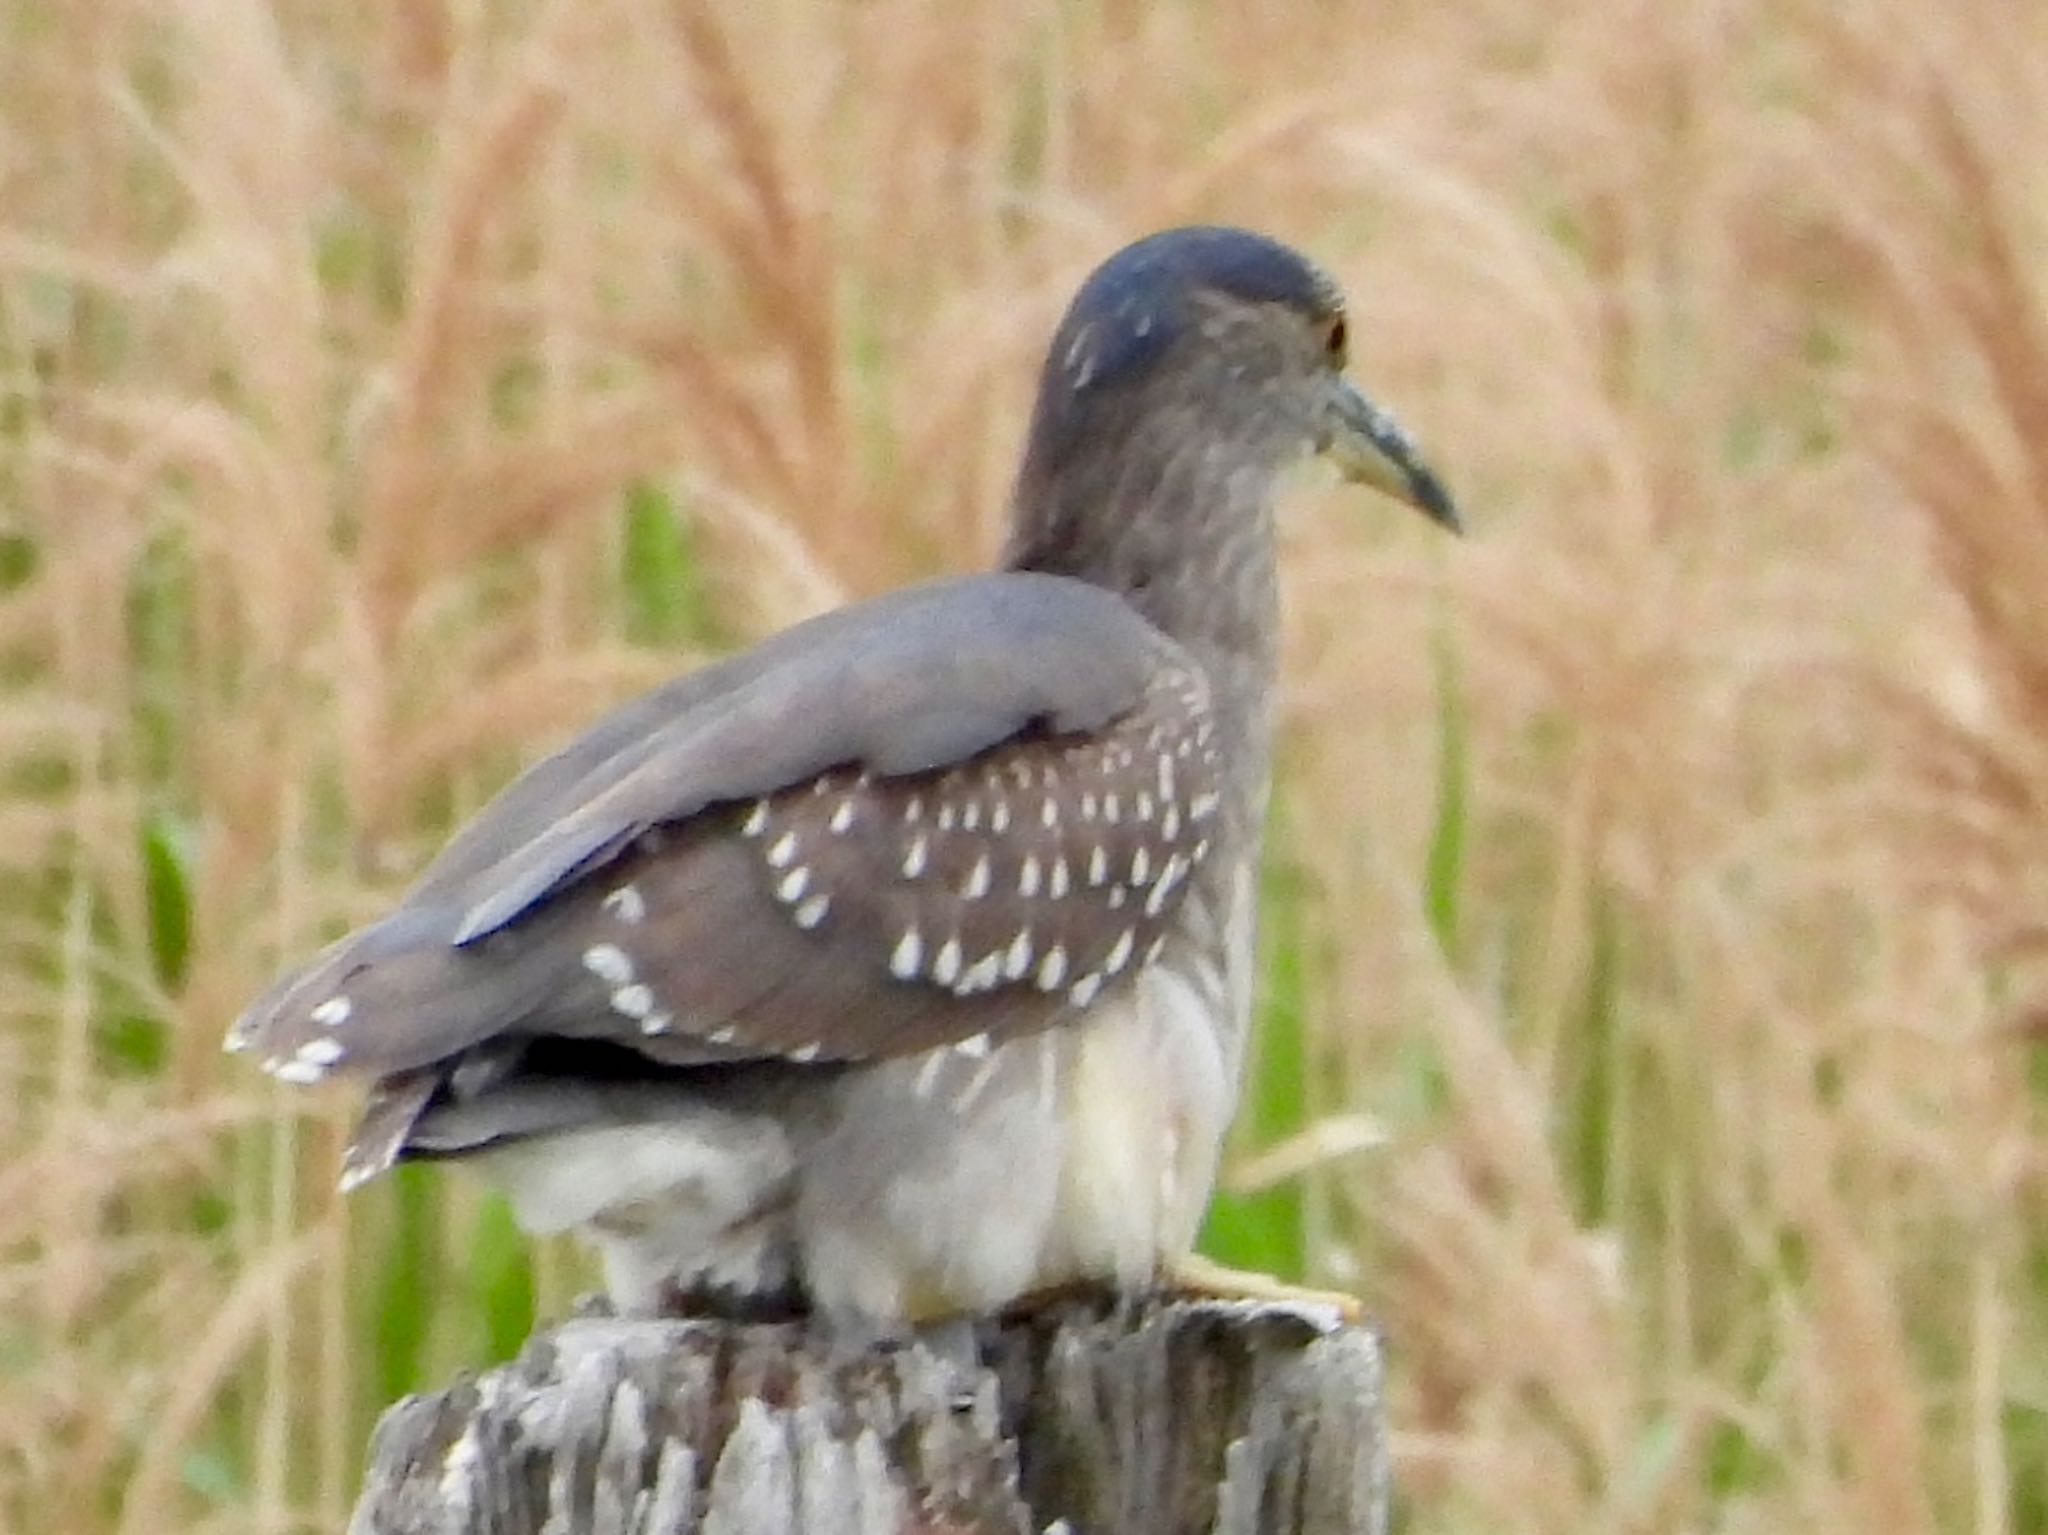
column 942, row 817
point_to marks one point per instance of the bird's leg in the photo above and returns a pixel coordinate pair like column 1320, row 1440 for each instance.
column 1059, row 1296
column 1193, row 1277
column 706, row 1302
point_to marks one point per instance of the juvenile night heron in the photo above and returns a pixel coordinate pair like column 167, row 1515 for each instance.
column 903, row 963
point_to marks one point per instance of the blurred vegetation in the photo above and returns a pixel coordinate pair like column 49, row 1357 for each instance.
column 1655, row 916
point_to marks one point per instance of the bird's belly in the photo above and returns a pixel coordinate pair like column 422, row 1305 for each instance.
column 958, row 1183
column 694, row 1202
column 1147, row 1100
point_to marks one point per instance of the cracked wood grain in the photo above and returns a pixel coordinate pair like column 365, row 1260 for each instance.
column 1185, row 1417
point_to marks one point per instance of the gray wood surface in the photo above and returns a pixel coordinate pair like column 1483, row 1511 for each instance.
column 1188, row 1416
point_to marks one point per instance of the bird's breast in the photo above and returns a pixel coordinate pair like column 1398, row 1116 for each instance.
column 1148, row 1095
column 958, row 1182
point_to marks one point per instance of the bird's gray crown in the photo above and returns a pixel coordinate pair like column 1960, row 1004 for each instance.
column 1144, row 299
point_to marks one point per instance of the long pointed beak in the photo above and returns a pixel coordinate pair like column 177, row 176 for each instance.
column 1369, row 447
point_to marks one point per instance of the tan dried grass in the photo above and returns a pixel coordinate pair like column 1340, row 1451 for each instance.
column 1697, row 1185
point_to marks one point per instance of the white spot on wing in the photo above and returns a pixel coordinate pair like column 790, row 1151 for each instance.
column 975, row 1047
column 794, row 883
column 353, row 1178
column 1028, row 875
column 1053, row 968
column 1062, row 881
column 1098, row 865
column 1169, row 877
column 1120, row 951
column 908, row 955
column 1141, row 866
column 1017, row 958
column 333, row 1012
column 608, row 962
column 635, row 1001
column 842, row 815
column 946, row 963
column 627, row 904
column 977, row 880
column 1085, row 989
column 298, row 1072
column 321, row 1052
column 915, row 856
column 782, row 850
column 803, row 1055
column 811, row 911
column 981, row 975
column 756, row 821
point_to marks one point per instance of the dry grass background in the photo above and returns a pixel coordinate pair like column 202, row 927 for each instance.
column 1660, row 916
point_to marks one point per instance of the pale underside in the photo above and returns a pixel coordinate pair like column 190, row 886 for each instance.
column 943, row 1183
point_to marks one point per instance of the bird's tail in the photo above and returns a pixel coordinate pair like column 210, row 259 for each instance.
column 392, row 1109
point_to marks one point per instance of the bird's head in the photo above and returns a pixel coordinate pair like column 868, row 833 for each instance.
column 1206, row 354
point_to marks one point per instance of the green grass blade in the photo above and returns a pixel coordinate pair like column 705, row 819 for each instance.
column 167, row 892
column 661, row 576
column 1589, row 1120
column 408, row 1277
column 501, row 1287
column 1444, row 870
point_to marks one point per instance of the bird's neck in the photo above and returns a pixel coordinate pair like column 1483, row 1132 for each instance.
column 1178, row 524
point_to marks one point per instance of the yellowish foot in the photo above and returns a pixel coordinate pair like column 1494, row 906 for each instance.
column 1197, row 1277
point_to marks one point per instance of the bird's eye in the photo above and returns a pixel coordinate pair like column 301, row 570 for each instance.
column 1335, row 340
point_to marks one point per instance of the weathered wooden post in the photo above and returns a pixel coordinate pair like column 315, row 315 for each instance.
column 1185, row 1417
